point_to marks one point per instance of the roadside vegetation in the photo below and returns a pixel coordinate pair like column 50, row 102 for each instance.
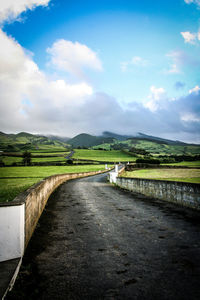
column 183, row 175
column 14, row 180
column 191, row 164
column 100, row 155
column 26, row 158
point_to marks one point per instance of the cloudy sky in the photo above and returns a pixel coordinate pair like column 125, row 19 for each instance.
column 74, row 66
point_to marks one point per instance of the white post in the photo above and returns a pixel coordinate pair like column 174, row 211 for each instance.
column 11, row 232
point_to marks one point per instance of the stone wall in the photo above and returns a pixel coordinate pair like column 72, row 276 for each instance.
column 35, row 198
column 186, row 194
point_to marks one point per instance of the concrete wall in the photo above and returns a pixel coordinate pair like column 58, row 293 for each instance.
column 35, row 198
column 112, row 176
column 186, row 194
column 11, row 232
column 19, row 217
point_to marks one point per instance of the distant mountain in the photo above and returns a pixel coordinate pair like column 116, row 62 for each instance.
column 141, row 136
column 27, row 141
column 108, row 140
column 87, row 140
column 108, row 134
column 58, row 138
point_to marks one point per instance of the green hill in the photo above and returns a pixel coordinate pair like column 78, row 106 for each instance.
column 26, row 141
column 87, row 140
column 108, row 140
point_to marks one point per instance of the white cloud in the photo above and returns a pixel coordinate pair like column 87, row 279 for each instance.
column 190, row 117
column 155, row 98
column 177, row 61
column 138, row 61
column 174, row 69
column 29, row 101
column 195, row 90
column 197, row 2
column 11, row 9
column 180, row 60
column 135, row 61
column 21, row 79
column 124, row 66
column 73, row 57
column 189, row 37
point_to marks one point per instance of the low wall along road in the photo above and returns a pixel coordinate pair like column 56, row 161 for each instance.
column 19, row 217
column 186, row 194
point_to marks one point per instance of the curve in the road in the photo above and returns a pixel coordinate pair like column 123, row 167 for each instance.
column 98, row 242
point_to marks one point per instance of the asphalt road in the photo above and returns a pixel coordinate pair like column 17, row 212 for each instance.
column 95, row 241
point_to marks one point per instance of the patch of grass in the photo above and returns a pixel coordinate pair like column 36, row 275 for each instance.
column 11, row 187
column 100, row 155
column 51, row 157
column 192, row 164
column 184, row 175
column 44, row 171
column 14, row 180
column 48, row 159
column 35, row 154
column 9, row 160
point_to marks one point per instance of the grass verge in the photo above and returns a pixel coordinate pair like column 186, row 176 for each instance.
column 100, row 155
column 14, row 180
column 183, row 175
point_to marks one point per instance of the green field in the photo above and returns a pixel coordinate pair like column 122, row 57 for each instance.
column 14, row 180
column 36, row 157
column 153, row 147
column 183, row 175
column 192, row 164
column 100, row 155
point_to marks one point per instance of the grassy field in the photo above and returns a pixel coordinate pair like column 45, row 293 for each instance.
column 192, row 164
column 154, row 147
column 51, row 157
column 99, row 155
column 14, row 180
column 183, row 175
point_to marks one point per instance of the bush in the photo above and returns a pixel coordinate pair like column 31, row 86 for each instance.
column 69, row 162
column 26, row 158
column 148, row 161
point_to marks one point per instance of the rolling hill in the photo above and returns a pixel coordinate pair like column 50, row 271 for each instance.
column 108, row 141
column 87, row 140
column 26, row 141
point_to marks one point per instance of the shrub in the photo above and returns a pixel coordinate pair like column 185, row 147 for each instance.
column 148, row 161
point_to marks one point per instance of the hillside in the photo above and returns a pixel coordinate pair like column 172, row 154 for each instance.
column 151, row 144
column 108, row 140
column 141, row 136
column 26, row 141
column 87, row 140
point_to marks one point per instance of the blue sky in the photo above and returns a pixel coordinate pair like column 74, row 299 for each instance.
column 90, row 66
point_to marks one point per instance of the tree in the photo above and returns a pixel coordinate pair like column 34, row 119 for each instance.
column 26, row 158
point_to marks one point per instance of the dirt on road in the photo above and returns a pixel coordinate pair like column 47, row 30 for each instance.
column 94, row 241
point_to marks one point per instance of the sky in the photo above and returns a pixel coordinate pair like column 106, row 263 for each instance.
column 126, row 66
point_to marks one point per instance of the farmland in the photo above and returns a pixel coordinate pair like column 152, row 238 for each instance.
column 14, row 180
column 182, row 174
column 50, row 155
column 99, row 155
column 191, row 164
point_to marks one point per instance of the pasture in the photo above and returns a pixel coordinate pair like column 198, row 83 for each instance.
column 100, row 155
column 14, row 180
column 182, row 174
column 191, row 164
column 36, row 157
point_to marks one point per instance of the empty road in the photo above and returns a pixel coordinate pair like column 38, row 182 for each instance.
column 95, row 241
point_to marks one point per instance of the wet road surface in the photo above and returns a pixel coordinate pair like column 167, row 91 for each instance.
column 95, row 241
